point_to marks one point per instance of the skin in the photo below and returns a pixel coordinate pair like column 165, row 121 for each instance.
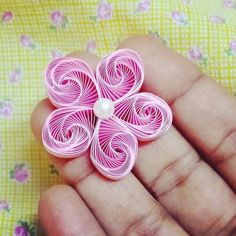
column 182, row 184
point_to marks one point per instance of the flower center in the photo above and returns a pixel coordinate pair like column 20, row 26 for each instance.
column 103, row 108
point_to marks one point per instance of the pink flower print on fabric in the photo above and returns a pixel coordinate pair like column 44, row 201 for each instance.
column 217, row 19
column 196, row 55
column 104, row 10
column 231, row 51
column 229, row 3
column 24, row 228
column 103, row 110
column 91, row 46
column 56, row 53
column 21, row 231
column 15, row 76
column 232, row 45
column 144, row 6
column 20, row 174
column 6, row 109
column 4, row 205
column 58, row 20
column 27, row 42
column 179, row 18
column 7, row 17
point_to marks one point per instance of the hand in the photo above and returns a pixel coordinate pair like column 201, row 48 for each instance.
column 181, row 183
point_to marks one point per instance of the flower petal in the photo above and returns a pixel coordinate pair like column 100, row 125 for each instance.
column 114, row 149
column 146, row 115
column 120, row 74
column 70, row 82
column 68, row 131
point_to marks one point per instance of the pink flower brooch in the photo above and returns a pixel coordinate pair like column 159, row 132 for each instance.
column 103, row 110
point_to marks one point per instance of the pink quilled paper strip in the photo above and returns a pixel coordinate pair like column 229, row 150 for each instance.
column 104, row 111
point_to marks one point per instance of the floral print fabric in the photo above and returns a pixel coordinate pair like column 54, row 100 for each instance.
column 34, row 32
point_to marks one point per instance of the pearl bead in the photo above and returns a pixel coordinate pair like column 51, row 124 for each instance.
column 103, row 108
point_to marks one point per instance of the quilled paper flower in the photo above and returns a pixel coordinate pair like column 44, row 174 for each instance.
column 104, row 111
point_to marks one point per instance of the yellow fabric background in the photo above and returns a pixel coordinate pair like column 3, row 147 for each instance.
column 32, row 18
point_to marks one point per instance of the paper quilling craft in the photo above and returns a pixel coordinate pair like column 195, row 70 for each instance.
column 103, row 112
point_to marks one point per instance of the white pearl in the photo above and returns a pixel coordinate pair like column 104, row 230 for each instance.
column 103, row 108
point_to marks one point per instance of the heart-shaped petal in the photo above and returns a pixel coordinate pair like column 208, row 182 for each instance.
column 68, row 131
column 146, row 115
column 114, row 149
column 120, row 74
column 70, row 82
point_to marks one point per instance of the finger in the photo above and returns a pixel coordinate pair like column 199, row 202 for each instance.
column 186, row 186
column 172, row 170
column 123, row 207
column 62, row 212
column 202, row 110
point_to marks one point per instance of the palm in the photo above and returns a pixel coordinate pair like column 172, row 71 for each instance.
column 172, row 190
